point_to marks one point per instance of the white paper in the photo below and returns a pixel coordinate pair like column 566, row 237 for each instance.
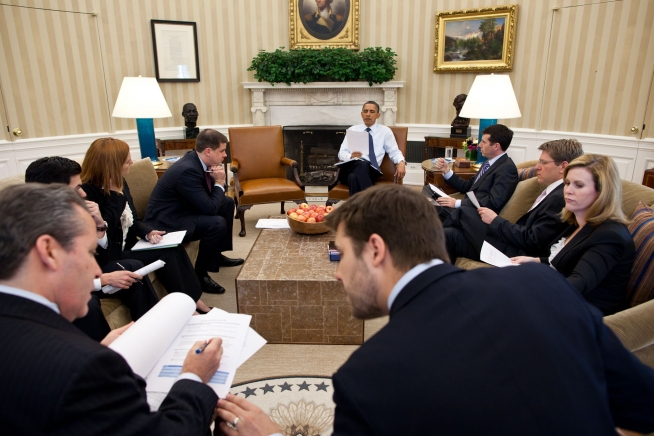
column 272, row 223
column 438, row 191
column 147, row 269
column 358, row 141
column 473, row 198
column 493, row 256
column 253, row 340
column 171, row 239
column 144, row 342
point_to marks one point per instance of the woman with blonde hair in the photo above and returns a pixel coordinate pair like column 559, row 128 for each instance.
column 596, row 252
column 106, row 162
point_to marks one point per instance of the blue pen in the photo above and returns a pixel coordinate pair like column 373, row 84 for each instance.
column 202, row 347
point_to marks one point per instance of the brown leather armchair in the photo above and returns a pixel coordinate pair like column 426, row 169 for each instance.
column 339, row 191
column 258, row 165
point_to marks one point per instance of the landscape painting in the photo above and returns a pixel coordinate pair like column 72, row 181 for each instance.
column 475, row 40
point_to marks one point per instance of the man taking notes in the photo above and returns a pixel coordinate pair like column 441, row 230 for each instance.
column 494, row 183
column 533, row 233
column 55, row 380
column 362, row 174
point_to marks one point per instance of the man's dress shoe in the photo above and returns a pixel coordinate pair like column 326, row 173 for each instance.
column 226, row 261
column 210, row 287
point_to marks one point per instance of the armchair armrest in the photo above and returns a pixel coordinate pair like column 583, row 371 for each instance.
column 293, row 164
column 237, row 184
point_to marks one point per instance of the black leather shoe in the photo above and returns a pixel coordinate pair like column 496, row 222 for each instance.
column 226, row 261
column 210, row 287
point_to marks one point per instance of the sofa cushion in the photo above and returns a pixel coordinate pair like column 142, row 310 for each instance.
column 524, row 196
column 641, row 283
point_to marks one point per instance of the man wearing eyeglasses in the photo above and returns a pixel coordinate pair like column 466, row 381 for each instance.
column 533, row 233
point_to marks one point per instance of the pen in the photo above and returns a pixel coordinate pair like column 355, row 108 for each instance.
column 202, row 347
column 125, row 269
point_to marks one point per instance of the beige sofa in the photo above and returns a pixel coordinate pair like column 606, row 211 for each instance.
column 634, row 326
column 141, row 179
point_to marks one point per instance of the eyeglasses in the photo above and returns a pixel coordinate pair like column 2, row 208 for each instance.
column 543, row 162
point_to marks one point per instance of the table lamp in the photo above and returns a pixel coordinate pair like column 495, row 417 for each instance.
column 490, row 97
column 141, row 98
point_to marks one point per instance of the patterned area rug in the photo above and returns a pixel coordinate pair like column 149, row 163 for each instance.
column 300, row 405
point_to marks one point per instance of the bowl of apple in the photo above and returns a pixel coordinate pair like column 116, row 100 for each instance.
column 308, row 219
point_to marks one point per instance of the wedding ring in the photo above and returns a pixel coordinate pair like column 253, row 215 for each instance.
column 235, row 421
column 232, row 425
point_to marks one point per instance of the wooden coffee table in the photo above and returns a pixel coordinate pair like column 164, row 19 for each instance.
column 434, row 176
column 287, row 284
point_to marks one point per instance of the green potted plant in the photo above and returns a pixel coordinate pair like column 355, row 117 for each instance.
column 304, row 65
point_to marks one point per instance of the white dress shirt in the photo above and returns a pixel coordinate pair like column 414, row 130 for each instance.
column 383, row 140
column 406, row 278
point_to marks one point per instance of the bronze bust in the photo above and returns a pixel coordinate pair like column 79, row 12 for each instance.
column 190, row 114
column 459, row 100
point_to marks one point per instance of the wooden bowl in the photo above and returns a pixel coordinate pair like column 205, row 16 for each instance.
column 307, row 228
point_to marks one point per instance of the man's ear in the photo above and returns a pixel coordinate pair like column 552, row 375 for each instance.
column 47, row 249
column 378, row 248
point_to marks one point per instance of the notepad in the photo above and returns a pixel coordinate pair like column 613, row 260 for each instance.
column 172, row 239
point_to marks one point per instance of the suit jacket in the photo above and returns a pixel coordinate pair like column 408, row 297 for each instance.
column 495, row 187
column 598, row 262
column 181, row 195
column 492, row 350
column 57, row 381
column 112, row 207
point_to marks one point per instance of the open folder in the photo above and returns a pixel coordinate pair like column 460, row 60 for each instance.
column 157, row 344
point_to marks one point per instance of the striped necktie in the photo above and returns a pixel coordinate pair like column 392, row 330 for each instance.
column 482, row 171
column 371, row 150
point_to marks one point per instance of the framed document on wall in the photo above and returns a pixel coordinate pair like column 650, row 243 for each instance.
column 324, row 23
column 175, row 45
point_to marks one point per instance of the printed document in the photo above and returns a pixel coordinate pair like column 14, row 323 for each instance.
column 471, row 195
column 272, row 223
column 358, row 141
column 493, row 256
column 172, row 239
column 435, row 189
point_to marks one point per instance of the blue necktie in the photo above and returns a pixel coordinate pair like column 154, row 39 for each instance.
column 482, row 171
column 371, row 150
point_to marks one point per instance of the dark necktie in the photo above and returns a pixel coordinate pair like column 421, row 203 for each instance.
column 482, row 171
column 371, row 150
column 209, row 180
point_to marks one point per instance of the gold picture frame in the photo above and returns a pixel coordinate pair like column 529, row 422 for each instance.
column 476, row 33
column 338, row 28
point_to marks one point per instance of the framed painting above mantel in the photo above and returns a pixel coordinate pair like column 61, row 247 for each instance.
column 475, row 40
column 324, row 23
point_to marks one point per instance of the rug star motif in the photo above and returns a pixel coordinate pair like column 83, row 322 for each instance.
column 285, row 387
column 304, row 386
column 268, row 388
column 249, row 392
column 322, row 387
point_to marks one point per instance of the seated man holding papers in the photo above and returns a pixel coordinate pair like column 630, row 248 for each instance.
column 363, row 149
column 534, row 232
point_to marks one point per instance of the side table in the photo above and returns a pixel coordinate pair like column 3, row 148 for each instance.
column 432, row 142
column 174, row 144
column 648, row 178
column 434, row 176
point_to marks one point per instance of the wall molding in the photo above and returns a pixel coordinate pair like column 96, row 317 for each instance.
column 632, row 155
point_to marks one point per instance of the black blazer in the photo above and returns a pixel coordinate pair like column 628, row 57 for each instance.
column 112, row 207
column 501, row 350
column 181, row 195
column 598, row 262
column 55, row 380
column 494, row 189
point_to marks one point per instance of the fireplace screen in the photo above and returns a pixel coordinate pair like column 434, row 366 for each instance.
column 315, row 149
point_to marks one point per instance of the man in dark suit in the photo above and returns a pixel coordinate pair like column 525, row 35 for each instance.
column 135, row 291
column 191, row 196
column 513, row 350
column 55, row 380
column 534, row 232
column 493, row 185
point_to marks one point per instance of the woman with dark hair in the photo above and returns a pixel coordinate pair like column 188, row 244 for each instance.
column 596, row 252
column 106, row 162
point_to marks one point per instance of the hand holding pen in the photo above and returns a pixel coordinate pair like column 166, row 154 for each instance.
column 205, row 363
column 217, row 172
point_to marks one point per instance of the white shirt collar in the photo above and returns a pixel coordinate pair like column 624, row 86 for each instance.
column 204, row 166
column 406, row 278
column 552, row 186
column 30, row 296
column 493, row 160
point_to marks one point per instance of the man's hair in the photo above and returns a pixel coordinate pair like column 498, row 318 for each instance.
column 54, row 169
column 209, row 138
column 606, row 177
column 499, row 133
column 103, row 163
column 562, row 150
column 370, row 102
column 405, row 220
column 31, row 210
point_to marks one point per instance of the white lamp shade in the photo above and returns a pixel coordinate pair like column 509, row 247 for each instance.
column 491, row 97
column 140, row 97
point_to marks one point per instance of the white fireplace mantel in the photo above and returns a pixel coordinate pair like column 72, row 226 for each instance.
column 320, row 103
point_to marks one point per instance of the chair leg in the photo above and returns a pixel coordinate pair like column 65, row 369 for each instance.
column 282, row 211
column 241, row 215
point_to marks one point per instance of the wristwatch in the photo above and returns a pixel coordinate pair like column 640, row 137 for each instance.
column 103, row 228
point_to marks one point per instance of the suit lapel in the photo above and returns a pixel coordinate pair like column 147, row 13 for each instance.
column 495, row 165
column 416, row 286
column 578, row 239
column 543, row 203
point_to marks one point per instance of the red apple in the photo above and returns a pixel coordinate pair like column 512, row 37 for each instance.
column 304, row 206
column 329, row 209
column 313, row 207
column 311, row 220
column 302, row 218
column 319, row 218
column 293, row 215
